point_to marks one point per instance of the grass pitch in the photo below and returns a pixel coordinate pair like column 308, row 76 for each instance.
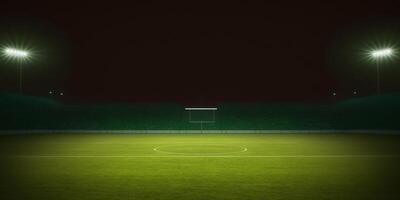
column 200, row 166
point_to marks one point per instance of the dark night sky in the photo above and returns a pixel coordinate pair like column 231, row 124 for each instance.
column 194, row 52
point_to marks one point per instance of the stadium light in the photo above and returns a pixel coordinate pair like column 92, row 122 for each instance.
column 16, row 53
column 378, row 55
column 381, row 53
column 19, row 55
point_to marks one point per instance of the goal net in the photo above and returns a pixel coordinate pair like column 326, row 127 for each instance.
column 201, row 115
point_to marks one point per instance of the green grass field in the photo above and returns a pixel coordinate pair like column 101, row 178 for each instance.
column 200, row 166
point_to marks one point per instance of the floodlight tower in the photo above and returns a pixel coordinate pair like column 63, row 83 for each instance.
column 18, row 55
column 378, row 55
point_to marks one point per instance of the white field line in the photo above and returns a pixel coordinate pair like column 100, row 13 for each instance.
column 159, row 143
column 214, row 156
column 364, row 131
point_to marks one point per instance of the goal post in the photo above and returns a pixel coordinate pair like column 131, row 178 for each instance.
column 201, row 115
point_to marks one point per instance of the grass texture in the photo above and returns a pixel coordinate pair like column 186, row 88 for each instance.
column 199, row 166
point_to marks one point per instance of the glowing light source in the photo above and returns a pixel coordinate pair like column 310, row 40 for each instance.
column 16, row 53
column 378, row 56
column 382, row 53
column 20, row 55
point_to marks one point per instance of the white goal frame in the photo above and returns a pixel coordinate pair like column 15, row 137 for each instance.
column 201, row 122
column 190, row 109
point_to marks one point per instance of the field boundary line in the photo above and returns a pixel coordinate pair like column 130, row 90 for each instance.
column 362, row 131
column 214, row 156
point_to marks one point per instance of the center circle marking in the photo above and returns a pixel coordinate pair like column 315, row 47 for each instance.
column 169, row 149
